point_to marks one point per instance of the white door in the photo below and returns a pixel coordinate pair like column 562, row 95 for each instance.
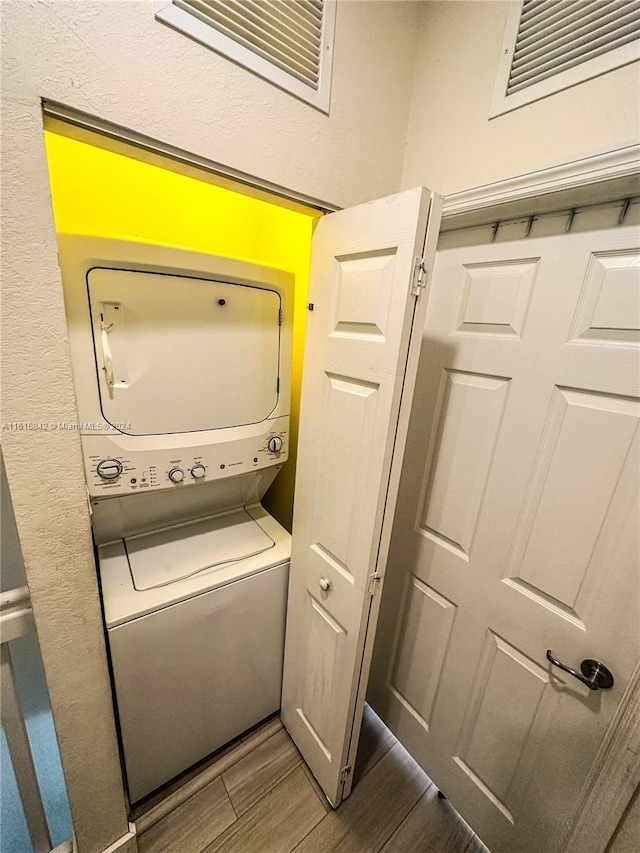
column 517, row 522
column 358, row 370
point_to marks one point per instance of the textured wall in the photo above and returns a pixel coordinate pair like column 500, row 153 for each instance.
column 453, row 145
column 45, row 475
column 113, row 60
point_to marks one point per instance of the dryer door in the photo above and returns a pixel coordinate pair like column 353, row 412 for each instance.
column 176, row 354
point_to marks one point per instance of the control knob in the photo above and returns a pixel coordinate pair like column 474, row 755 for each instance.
column 176, row 475
column 109, row 469
column 198, row 471
column 275, row 444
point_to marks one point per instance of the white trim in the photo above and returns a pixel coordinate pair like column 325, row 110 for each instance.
column 605, row 176
column 499, row 95
column 16, row 616
column 127, row 843
column 60, row 112
column 502, row 103
column 198, row 30
column 21, row 756
column 614, row 778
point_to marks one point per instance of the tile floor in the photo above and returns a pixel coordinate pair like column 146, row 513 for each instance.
column 268, row 802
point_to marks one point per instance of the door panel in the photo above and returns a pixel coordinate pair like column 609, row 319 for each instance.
column 357, row 370
column 581, row 458
column 427, row 623
column 465, row 435
column 516, row 529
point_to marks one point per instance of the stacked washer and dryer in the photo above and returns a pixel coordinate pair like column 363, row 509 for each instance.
column 181, row 365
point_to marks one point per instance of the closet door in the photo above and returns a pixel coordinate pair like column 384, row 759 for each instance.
column 367, row 295
column 516, row 528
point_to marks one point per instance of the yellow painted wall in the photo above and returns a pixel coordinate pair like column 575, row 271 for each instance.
column 101, row 193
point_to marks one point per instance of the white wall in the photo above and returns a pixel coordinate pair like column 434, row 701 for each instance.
column 451, row 143
column 113, row 60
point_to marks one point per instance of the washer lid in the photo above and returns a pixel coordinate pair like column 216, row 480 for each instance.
column 177, row 354
column 175, row 553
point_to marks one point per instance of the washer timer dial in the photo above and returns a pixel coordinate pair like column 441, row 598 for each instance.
column 198, row 472
column 109, row 469
column 275, row 444
column 176, row 475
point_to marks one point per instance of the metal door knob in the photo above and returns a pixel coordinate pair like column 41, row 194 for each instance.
column 594, row 674
column 325, row 584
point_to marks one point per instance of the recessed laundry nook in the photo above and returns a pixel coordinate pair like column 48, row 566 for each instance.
column 183, row 364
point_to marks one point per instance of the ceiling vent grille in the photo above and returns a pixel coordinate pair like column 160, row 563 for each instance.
column 550, row 45
column 554, row 36
column 289, row 42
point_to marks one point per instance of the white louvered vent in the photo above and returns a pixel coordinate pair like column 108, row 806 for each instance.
column 554, row 35
column 553, row 44
column 289, row 42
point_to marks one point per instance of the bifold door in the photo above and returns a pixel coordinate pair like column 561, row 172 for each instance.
column 367, row 296
column 517, row 523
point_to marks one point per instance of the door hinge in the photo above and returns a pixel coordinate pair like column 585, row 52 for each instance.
column 346, row 770
column 374, row 580
column 279, row 316
column 278, row 385
column 419, row 278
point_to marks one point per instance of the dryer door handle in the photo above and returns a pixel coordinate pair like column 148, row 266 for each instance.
column 107, row 358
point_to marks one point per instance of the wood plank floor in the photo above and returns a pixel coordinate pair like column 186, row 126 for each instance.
column 268, row 802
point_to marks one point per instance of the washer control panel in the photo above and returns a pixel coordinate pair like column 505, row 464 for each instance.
column 112, row 469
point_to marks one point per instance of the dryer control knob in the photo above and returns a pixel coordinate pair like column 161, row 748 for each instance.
column 198, row 472
column 275, row 444
column 109, row 469
column 176, row 475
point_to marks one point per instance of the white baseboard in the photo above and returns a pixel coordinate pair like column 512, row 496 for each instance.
column 126, row 844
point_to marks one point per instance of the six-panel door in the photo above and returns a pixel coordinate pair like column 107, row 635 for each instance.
column 359, row 325
column 517, row 522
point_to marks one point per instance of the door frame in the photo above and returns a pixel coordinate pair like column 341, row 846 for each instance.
column 604, row 177
column 114, row 137
column 613, row 780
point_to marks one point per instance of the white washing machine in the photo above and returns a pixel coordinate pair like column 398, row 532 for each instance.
column 182, row 366
column 196, row 649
